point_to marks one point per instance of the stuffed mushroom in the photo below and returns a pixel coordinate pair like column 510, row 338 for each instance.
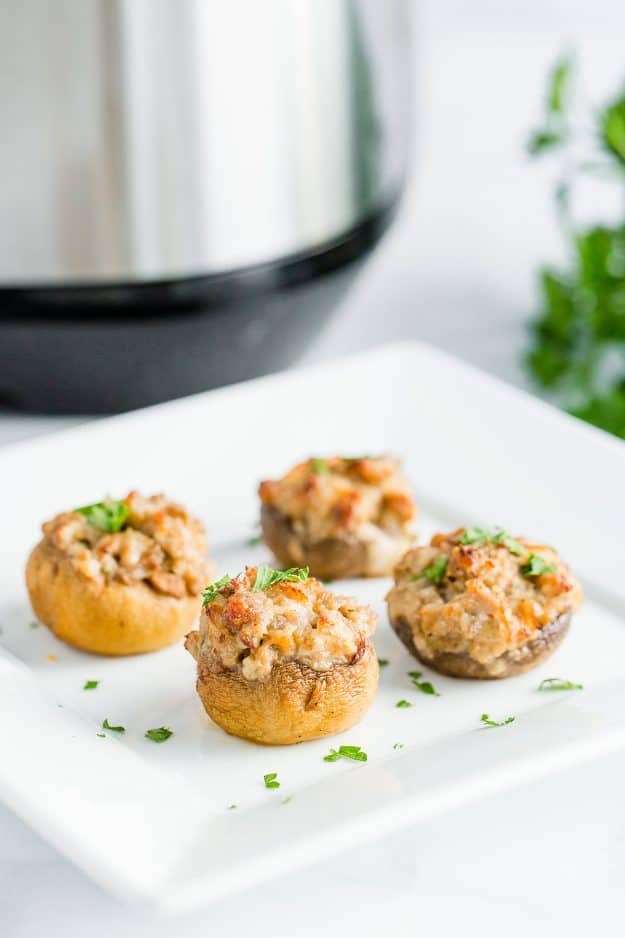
column 281, row 659
column 340, row 517
column 482, row 604
column 119, row 577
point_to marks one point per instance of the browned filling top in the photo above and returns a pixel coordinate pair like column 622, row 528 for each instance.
column 480, row 593
column 248, row 627
column 141, row 539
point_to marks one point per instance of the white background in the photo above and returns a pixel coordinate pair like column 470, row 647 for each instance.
column 458, row 270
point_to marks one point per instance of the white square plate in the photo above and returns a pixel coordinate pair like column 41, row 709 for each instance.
column 151, row 822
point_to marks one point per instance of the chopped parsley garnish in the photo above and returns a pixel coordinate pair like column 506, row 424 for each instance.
column 424, row 686
column 500, row 537
column 106, row 516
column 34, row 625
column 403, row 703
column 287, row 799
column 383, row 662
column 486, row 720
column 477, row 536
column 266, row 576
column 558, row 683
column 436, row 571
column 211, row 592
column 114, row 729
column 319, row 466
column 253, row 540
column 101, row 735
column 480, row 536
column 231, row 807
column 159, row 735
column 537, row 566
column 398, row 745
column 90, row 685
column 271, row 780
column 346, row 752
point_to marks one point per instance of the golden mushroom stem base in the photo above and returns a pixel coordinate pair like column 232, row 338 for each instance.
column 105, row 618
column 293, row 704
column 516, row 661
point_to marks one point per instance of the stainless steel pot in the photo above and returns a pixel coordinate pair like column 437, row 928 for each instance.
column 203, row 149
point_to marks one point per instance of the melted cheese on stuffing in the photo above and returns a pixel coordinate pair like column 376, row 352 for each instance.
column 161, row 544
column 368, row 499
column 247, row 630
column 484, row 605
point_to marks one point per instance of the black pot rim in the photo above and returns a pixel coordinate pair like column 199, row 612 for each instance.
column 145, row 300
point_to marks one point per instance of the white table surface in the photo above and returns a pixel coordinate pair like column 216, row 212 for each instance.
column 457, row 270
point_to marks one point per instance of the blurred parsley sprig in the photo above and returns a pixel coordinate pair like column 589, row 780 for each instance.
column 577, row 351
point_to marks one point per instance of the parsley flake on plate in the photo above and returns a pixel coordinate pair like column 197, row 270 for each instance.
column 114, row 729
column 537, row 566
column 319, row 466
column 558, row 683
column 398, row 745
column 426, row 687
column 402, row 704
column 383, row 662
column 232, row 807
column 90, row 685
column 271, row 780
column 346, row 752
column 108, row 516
column 486, row 720
column 159, row 734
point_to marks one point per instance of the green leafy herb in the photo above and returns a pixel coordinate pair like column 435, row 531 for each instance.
column 558, row 683
column 346, row 752
column 436, row 571
column 476, row 536
column 34, row 625
column 159, row 735
column 271, row 780
column 383, row 662
column 101, row 735
column 211, row 592
column 486, row 720
column 537, row 566
column 403, row 703
column 319, row 466
column 480, row 536
column 398, row 745
column 501, row 537
column 555, row 130
column 106, row 516
column 577, row 351
column 232, row 807
column 288, row 799
column 114, row 729
column 90, row 685
column 266, row 576
column 424, row 686
column 254, row 540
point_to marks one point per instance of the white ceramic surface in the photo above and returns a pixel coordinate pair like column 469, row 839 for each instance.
column 151, row 822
